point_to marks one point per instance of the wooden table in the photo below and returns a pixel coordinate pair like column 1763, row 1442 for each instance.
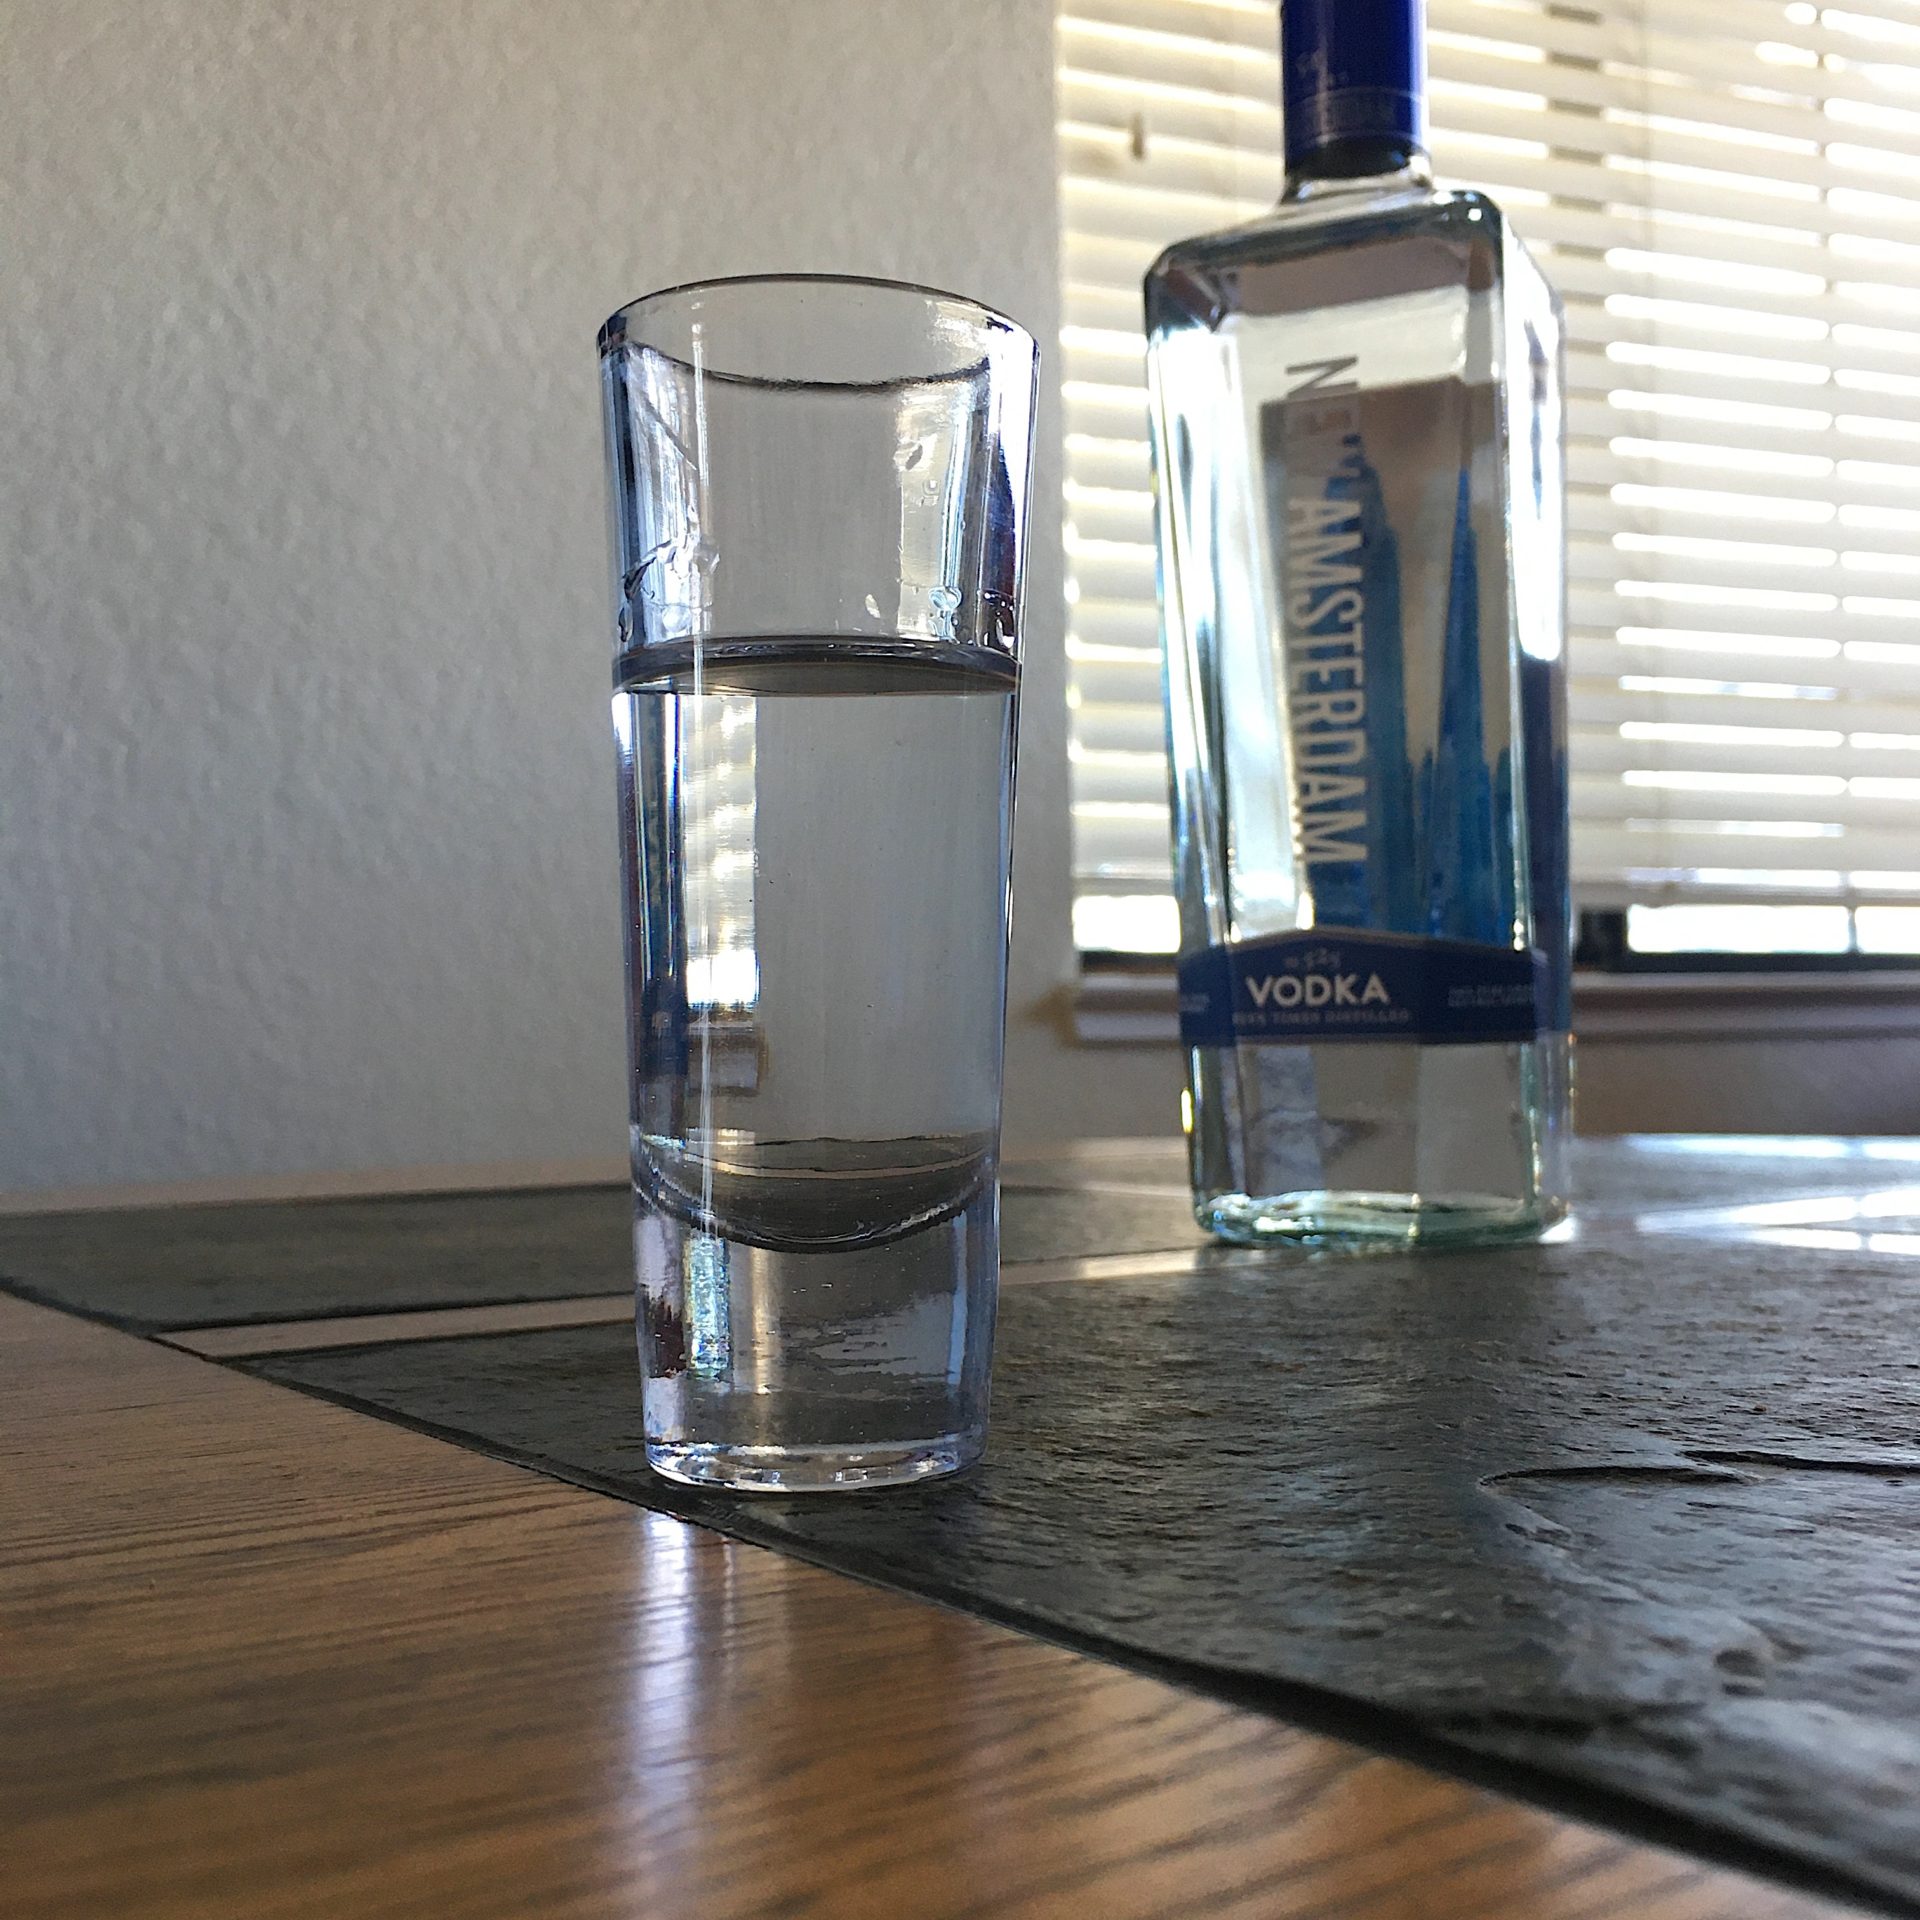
column 263, row 1656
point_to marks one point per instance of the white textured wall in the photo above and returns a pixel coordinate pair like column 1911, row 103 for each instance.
column 306, row 850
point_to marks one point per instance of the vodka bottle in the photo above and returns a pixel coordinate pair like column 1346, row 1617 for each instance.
column 1357, row 438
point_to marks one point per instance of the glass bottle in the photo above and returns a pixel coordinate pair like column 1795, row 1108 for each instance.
column 1359, row 505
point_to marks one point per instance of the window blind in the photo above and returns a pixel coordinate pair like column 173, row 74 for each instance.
column 1727, row 195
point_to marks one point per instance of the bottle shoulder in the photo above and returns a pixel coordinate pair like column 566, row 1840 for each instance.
column 1339, row 219
column 1462, row 218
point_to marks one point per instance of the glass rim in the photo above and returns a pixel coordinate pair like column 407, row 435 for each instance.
column 614, row 330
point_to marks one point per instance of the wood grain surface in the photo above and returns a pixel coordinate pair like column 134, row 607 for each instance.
column 263, row 1657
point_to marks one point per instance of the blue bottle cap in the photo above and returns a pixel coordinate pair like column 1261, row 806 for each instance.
column 1352, row 70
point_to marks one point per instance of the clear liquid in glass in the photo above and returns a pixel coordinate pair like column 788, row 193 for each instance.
column 817, row 839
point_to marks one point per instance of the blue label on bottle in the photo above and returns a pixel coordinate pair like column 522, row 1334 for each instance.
column 1339, row 984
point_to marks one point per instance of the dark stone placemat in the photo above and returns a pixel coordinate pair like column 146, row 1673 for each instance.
column 1642, row 1173
column 161, row 1268
column 1069, row 1225
column 1152, row 1163
column 1623, row 1173
column 1642, row 1516
column 154, row 1269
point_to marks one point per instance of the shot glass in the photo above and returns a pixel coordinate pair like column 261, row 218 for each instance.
column 819, row 501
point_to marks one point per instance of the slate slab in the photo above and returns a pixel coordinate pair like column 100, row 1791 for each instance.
column 157, row 1269
column 1622, row 1175
column 1642, row 1514
column 161, row 1268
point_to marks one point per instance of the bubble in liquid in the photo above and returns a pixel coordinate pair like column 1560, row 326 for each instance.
column 909, row 454
column 873, row 606
column 676, row 573
column 945, row 602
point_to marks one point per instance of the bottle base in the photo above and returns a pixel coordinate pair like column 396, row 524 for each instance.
column 1330, row 1222
column 763, row 1469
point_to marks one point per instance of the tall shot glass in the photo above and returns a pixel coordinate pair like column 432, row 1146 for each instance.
column 819, row 501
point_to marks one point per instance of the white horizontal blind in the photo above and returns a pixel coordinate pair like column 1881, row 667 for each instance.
column 1727, row 195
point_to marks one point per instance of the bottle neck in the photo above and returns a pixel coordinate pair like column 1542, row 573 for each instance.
column 1360, row 164
column 1352, row 92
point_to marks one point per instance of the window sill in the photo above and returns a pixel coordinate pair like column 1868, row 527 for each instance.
column 1125, row 1007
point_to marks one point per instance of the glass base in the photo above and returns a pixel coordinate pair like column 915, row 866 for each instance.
column 1327, row 1222
column 814, row 1469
